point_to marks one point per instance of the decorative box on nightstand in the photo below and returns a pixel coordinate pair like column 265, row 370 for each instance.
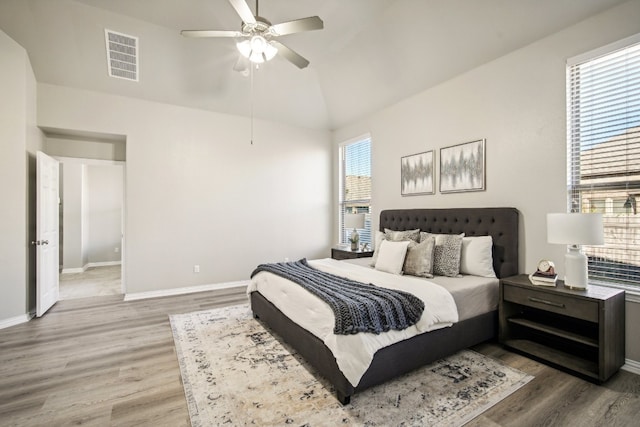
column 582, row 331
column 346, row 253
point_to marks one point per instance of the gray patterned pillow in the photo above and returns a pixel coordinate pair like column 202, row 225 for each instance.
column 398, row 236
column 419, row 258
column 446, row 255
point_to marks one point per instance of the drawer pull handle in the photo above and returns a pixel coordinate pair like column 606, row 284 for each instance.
column 544, row 301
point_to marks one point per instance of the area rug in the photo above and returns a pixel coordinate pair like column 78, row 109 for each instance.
column 236, row 373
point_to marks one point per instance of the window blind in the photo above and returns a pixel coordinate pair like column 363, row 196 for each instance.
column 355, row 186
column 603, row 99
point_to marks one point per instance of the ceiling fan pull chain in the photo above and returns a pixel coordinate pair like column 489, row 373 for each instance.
column 251, row 101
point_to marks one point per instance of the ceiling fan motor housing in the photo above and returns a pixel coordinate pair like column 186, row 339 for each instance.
column 260, row 27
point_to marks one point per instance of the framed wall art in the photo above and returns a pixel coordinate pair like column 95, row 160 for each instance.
column 462, row 167
column 417, row 174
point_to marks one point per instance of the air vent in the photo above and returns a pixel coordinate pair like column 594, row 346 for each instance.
column 122, row 55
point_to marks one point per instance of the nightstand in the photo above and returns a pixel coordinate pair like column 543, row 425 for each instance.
column 347, row 253
column 582, row 331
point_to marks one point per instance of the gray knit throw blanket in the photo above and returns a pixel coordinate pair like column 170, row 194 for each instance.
column 357, row 307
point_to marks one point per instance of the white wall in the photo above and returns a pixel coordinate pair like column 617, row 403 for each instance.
column 71, row 183
column 518, row 104
column 197, row 192
column 34, row 142
column 84, row 147
column 19, row 140
column 105, row 194
column 13, row 258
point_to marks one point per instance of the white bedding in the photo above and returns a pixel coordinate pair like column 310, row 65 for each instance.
column 354, row 353
column 473, row 295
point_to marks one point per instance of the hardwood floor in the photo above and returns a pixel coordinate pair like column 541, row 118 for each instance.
column 95, row 281
column 99, row 361
column 102, row 361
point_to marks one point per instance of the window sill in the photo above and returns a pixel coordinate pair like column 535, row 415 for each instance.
column 632, row 292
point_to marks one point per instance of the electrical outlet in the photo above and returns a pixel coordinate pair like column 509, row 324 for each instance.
column 116, row 250
column 196, row 268
column 286, row 259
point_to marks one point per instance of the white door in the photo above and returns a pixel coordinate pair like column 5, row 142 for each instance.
column 46, row 233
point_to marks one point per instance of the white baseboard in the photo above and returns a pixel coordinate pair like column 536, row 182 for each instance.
column 89, row 265
column 12, row 321
column 632, row 366
column 188, row 290
column 102, row 264
column 73, row 270
column 632, row 297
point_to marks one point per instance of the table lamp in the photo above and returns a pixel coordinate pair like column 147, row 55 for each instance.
column 575, row 229
column 354, row 221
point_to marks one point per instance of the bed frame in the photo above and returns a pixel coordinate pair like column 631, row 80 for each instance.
column 402, row 357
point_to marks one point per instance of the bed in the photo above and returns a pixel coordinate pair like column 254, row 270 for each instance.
column 502, row 224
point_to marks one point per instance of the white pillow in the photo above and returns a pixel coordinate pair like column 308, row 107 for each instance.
column 476, row 257
column 391, row 256
column 378, row 238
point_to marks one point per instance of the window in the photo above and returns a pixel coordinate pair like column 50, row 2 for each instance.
column 603, row 100
column 355, row 186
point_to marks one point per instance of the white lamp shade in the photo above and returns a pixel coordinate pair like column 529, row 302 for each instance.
column 575, row 228
column 257, row 49
column 354, row 220
column 244, row 47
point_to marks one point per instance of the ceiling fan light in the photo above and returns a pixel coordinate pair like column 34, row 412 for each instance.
column 244, row 47
column 270, row 51
column 256, row 57
column 257, row 49
column 258, row 44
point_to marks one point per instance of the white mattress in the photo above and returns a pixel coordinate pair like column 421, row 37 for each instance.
column 473, row 295
column 354, row 353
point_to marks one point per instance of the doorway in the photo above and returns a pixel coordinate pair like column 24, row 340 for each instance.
column 92, row 207
column 91, row 230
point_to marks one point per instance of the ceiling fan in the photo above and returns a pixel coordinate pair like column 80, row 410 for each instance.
column 259, row 36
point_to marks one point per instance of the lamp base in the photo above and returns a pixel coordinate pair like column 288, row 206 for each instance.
column 355, row 240
column 575, row 263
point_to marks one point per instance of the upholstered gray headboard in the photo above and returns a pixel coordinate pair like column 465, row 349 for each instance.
column 499, row 223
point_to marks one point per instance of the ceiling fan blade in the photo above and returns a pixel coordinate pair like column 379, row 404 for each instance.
column 299, row 25
column 211, row 33
column 293, row 57
column 242, row 8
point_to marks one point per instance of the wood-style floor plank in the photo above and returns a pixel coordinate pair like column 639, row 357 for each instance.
column 99, row 361
column 102, row 361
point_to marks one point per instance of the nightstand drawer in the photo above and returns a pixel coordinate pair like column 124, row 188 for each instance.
column 344, row 253
column 561, row 304
column 339, row 255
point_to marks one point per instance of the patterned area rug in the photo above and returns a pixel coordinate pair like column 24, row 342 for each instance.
column 236, row 373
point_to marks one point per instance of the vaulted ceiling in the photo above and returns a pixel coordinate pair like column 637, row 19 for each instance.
column 370, row 54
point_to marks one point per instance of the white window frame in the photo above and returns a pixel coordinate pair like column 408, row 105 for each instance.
column 341, row 194
column 633, row 291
